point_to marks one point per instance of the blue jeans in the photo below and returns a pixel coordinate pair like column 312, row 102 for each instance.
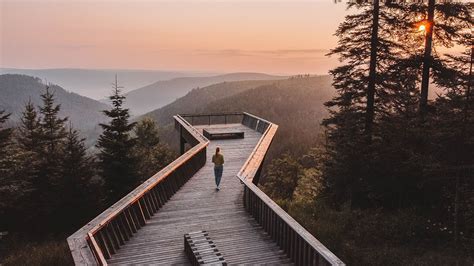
column 218, row 173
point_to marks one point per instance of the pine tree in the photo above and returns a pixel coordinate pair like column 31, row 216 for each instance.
column 444, row 24
column 374, row 43
column 77, row 192
column 453, row 135
column 76, row 164
column 53, row 134
column 118, row 165
column 427, row 56
column 282, row 177
column 8, row 156
column 53, row 127
column 5, row 142
column 43, row 140
column 29, row 145
column 147, row 133
column 5, row 133
column 400, row 148
column 22, row 195
column 5, row 152
column 7, row 175
column 153, row 155
column 29, row 131
column 368, row 50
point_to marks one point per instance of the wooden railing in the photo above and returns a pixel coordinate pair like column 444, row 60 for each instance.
column 99, row 239
column 213, row 118
column 248, row 120
column 302, row 247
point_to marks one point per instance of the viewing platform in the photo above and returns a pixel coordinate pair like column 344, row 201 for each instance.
column 148, row 225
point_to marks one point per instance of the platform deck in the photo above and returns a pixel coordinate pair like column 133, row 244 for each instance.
column 198, row 206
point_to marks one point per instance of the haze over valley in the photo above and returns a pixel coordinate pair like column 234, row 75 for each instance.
column 96, row 83
column 165, row 98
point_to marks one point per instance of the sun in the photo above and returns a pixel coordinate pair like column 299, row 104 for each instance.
column 422, row 27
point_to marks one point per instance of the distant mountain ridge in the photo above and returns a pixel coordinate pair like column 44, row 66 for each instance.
column 84, row 113
column 161, row 93
column 96, row 83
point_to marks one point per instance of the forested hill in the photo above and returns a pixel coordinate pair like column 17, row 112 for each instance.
column 202, row 97
column 296, row 104
column 84, row 113
column 161, row 93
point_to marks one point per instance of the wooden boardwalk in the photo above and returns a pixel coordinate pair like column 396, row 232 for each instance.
column 198, row 206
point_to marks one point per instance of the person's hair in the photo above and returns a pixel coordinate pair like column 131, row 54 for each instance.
column 218, row 150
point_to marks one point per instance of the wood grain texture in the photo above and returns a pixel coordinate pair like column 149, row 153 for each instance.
column 198, row 206
column 147, row 226
column 84, row 253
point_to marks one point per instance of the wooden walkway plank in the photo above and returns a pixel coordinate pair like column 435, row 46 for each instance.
column 198, row 206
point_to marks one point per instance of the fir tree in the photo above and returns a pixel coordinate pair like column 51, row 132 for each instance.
column 282, row 177
column 9, row 189
column 367, row 50
column 77, row 192
column 147, row 133
column 43, row 139
column 53, row 129
column 53, row 134
column 29, row 145
column 5, row 142
column 118, row 165
column 374, row 44
column 453, row 149
column 5, row 133
column 76, row 164
column 29, row 131
column 28, row 139
column 401, row 147
column 153, row 155
column 440, row 24
column 5, row 152
column 427, row 56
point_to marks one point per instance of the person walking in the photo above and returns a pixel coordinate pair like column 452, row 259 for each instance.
column 218, row 160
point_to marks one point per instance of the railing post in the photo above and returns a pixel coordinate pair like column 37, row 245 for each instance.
column 104, row 245
column 182, row 143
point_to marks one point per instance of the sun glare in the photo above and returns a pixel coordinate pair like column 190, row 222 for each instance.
column 422, row 27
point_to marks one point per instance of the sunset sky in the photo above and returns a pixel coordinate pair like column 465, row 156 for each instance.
column 228, row 35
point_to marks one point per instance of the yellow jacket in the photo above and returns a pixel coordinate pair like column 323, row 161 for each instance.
column 218, row 159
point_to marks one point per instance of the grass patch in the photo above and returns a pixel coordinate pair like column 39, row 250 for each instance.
column 50, row 252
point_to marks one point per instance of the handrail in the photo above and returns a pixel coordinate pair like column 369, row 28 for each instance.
column 293, row 238
column 98, row 240
column 210, row 116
